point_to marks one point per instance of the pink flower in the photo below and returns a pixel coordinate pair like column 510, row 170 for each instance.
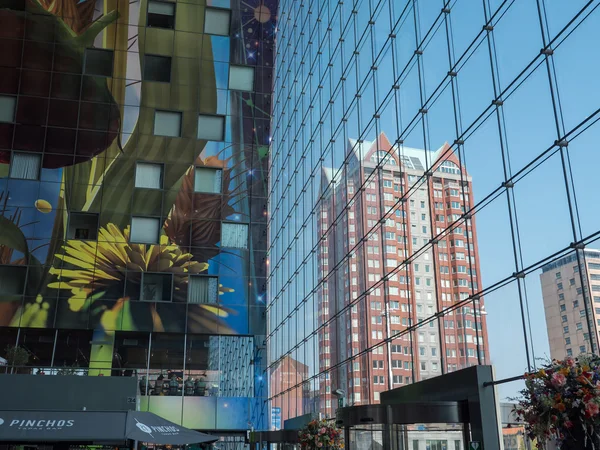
column 570, row 362
column 322, row 431
column 592, row 408
column 558, row 379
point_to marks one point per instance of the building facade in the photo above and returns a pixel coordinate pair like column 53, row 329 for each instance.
column 508, row 87
column 571, row 291
column 133, row 162
column 419, row 280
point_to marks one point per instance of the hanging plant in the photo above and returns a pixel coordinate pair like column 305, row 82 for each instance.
column 320, row 434
column 561, row 402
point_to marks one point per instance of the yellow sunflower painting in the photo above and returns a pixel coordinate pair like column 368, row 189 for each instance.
column 111, row 268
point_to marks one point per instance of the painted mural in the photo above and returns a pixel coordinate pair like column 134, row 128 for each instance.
column 91, row 131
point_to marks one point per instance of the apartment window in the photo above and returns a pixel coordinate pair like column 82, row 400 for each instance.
column 569, row 352
column 12, row 280
column 161, row 14
column 572, row 282
column 558, row 275
column 156, row 287
column 422, row 204
column 148, row 175
column 82, row 226
column 567, row 341
column 203, row 289
column 217, row 21
column 565, row 329
column 207, row 179
column 8, row 106
column 582, row 349
column 561, row 296
column 241, row 78
column 25, row 166
column 98, row 62
column 579, row 326
column 575, row 303
column 423, row 365
column 563, row 308
column 234, row 235
column 167, row 123
column 559, row 286
column 144, row 230
column 157, row 68
column 211, row 128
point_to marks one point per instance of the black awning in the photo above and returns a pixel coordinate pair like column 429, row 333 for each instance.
column 56, row 426
column 148, row 427
column 95, row 426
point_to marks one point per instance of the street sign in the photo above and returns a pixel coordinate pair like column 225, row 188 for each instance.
column 474, row 445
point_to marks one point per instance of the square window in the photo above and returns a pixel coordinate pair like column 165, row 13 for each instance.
column 167, row 123
column 8, row 105
column 83, row 226
column 234, row 235
column 98, row 62
column 156, row 287
column 157, row 68
column 217, row 21
column 161, row 14
column 241, row 78
column 12, row 280
column 25, row 166
column 144, row 230
column 211, row 128
column 148, row 175
column 207, row 179
column 202, row 289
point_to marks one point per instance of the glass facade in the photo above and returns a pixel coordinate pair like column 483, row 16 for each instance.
column 133, row 183
column 428, row 158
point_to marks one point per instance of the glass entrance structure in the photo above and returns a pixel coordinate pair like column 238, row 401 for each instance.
column 410, row 426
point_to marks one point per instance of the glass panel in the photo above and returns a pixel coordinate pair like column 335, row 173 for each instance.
column 167, row 123
column 208, row 180
column 216, row 21
column 144, row 230
column 25, row 166
column 7, row 108
column 241, row 78
column 148, row 176
column 211, row 128
column 234, row 235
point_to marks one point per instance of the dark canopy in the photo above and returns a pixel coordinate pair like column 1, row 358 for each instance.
column 148, row 427
column 94, row 426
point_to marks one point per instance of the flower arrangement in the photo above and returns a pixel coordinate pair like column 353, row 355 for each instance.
column 561, row 402
column 319, row 434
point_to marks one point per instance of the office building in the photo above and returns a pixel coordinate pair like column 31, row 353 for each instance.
column 433, row 278
column 571, row 291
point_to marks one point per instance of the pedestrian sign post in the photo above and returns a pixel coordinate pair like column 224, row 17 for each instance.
column 474, row 445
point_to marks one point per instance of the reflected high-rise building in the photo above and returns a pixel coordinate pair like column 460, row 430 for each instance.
column 405, row 279
column 572, row 302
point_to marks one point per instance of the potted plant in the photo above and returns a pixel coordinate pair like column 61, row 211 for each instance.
column 320, row 434
column 561, row 402
column 17, row 357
